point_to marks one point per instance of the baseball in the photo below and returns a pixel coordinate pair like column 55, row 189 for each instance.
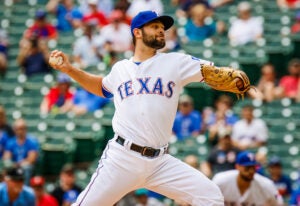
column 56, row 60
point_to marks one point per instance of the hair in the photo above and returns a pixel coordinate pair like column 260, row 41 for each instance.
column 293, row 62
column 133, row 40
column 226, row 99
column 248, row 106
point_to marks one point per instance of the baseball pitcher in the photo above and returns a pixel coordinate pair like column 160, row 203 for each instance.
column 146, row 90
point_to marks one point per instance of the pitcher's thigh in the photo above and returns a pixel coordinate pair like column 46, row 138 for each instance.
column 110, row 182
column 181, row 182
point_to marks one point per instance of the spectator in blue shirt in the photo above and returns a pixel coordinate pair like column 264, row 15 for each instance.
column 6, row 131
column 282, row 181
column 198, row 28
column 22, row 150
column 33, row 56
column 13, row 192
column 295, row 198
column 187, row 121
column 68, row 16
column 85, row 101
column 3, row 52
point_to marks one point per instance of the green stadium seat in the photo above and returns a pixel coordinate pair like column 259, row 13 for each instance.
column 89, row 145
column 57, row 152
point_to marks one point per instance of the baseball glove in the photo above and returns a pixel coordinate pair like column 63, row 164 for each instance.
column 226, row 79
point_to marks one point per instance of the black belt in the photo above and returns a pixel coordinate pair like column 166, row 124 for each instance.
column 144, row 151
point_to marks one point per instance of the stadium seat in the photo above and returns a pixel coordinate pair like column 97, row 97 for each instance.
column 57, row 152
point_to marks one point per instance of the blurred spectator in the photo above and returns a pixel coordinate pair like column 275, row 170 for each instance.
column 222, row 157
column 33, row 57
column 6, row 132
column 123, row 6
column 193, row 161
column 245, row 28
column 187, row 121
column 184, row 6
column 291, row 4
column 94, row 16
column 282, row 181
column 117, row 32
column 268, row 84
column 3, row 52
column 249, row 132
column 13, row 192
column 220, row 126
column 296, row 25
column 67, row 191
column 88, row 49
column 223, row 109
column 197, row 28
column 295, row 198
column 290, row 84
column 42, row 198
column 22, row 150
column 68, row 16
column 243, row 186
column 85, row 101
column 59, row 99
column 106, row 6
column 41, row 28
column 143, row 199
column 172, row 40
column 142, row 5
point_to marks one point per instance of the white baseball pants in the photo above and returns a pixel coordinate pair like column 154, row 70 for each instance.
column 122, row 170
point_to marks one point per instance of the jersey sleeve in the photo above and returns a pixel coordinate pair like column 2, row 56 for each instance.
column 190, row 70
column 108, row 83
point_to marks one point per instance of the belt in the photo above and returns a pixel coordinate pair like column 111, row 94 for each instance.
column 144, row 151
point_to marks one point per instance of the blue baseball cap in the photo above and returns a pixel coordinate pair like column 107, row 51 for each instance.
column 145, row 17
column 246, row 158
column 274, row 161
column 63, row 78
column 40, row 14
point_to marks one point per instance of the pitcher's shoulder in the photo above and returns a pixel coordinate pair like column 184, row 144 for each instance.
column 174, row 55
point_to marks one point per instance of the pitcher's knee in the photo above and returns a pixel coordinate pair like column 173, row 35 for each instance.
column 212, row 196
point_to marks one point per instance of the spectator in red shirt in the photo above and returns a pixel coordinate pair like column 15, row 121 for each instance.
column 60, row 98
column 95, row 16
column 291, row 4
column 296, row 26
column 289, row 84
column 268, row 83
column 41, row 27
column 42, row 198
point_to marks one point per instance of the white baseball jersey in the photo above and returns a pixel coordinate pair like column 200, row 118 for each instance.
column 249, row 133
column 262, row 191
column 146, row 95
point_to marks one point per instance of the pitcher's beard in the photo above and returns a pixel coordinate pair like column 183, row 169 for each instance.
column 152, row 42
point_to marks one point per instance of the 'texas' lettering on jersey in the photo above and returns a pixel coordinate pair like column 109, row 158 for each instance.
column 146, row 86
